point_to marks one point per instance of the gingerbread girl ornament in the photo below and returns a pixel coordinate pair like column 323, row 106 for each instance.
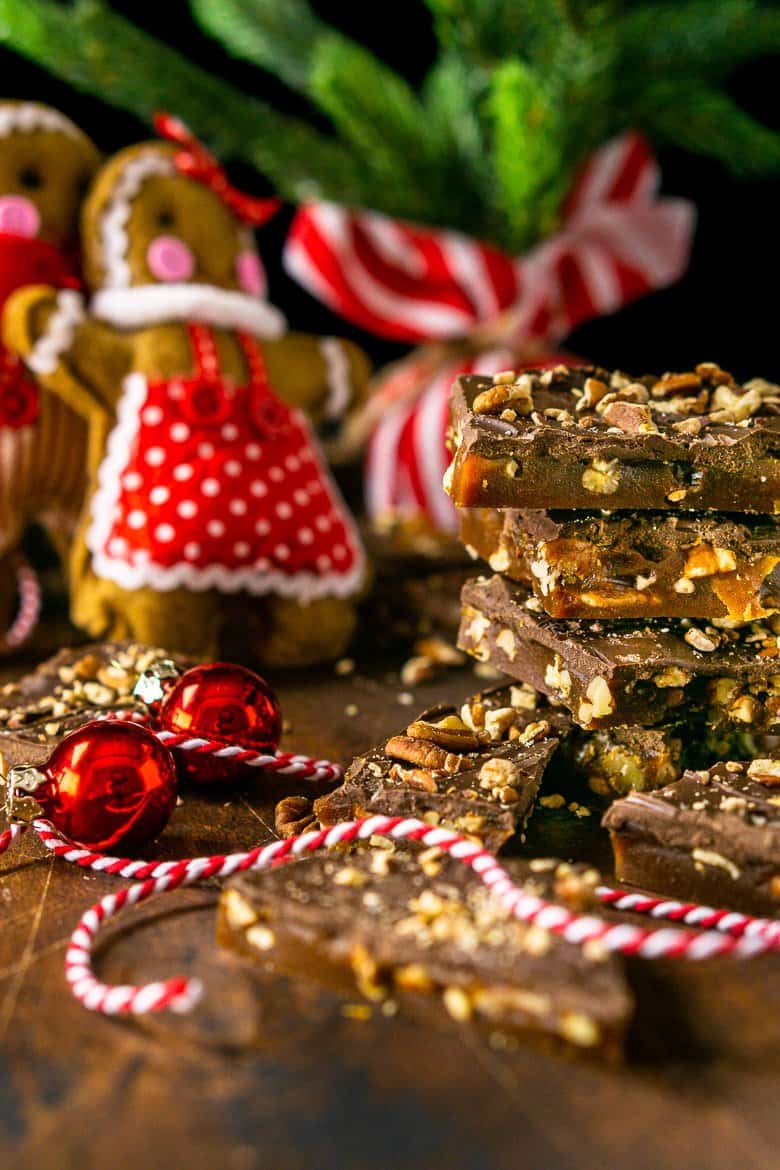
column 211, row 511
column 46, row 164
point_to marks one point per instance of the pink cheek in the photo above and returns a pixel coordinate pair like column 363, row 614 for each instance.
column 170, row 259
column 250, row 273
column 19, row 217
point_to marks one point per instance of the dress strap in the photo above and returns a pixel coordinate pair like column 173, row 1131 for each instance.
column 204, row 351
column 253, row 354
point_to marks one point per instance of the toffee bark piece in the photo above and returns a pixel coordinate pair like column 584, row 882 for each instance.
column 634, row 564
column 712, row 837
column 623, row 672
column 585, row 438
column 411, row 920
column 64, row 692
column 476, row 770
column 616, row 760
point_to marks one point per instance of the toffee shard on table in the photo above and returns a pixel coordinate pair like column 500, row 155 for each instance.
column 634, row 564
column 624, row 672
column 584, row 438
column 712, row 837
column 69, row 689
column 476, row 769
column 414, row 920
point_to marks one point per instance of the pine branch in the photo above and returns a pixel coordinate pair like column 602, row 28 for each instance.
column 707, row 39
column 276, row 36
column 531, row 180
column 491, row 30
column 706, row 121
column 380, row 116
column 99, row 52
column 454, row 95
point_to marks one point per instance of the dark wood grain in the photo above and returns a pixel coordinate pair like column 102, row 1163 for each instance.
column 269, row 1072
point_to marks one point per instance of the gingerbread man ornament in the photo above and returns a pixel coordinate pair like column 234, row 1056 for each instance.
column 46, row 164
column 212, row 515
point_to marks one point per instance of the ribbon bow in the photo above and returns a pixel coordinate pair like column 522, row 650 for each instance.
column 618, row 241
column 199, row 164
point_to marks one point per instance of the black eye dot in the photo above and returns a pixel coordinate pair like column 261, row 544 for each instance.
column 165, row 219
column 30, row 178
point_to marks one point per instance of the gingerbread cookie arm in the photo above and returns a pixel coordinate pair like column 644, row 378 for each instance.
column 323, row 376
column 71, row 354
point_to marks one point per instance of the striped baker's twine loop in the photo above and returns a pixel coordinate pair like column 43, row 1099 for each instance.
column 283, row 763
column 180, row 994
column 28, row 612
column 691, row 914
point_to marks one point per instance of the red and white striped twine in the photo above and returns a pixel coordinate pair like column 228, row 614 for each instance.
column 281, row 763
column 734, row 935
column 28, row 612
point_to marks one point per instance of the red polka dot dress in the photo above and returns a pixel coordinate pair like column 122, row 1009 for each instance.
column 207, row 485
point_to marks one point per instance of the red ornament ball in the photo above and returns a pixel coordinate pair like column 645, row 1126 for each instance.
column 109, row 782
column 226, row 703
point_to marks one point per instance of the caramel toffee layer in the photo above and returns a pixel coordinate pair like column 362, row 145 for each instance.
column 585, row 438
column 711, row 837
column 624, row 672
column 406, row 920
column 71, row 688
column 476, row 769
column 634, row 564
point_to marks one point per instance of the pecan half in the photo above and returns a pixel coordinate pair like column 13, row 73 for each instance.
column 425, row 755
column 445, row 734
column 294, row 814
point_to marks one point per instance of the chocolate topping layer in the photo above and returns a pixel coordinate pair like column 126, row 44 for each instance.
column 623, row 672
column 476, row 769
column 408, row 920
column 585, row 438
column 712, row 835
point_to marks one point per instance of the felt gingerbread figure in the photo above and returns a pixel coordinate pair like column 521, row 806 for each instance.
column 211, row 508
column 46, row 164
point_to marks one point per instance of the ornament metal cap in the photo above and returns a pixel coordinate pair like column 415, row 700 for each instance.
column 150, row 688
column 21, row 782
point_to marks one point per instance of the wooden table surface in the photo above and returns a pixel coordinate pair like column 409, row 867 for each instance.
column 269, row 1071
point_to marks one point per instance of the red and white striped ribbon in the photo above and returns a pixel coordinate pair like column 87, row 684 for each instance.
column 618, row 240
column 29, row 609
column 280, row 763
column 407, row 455
column 745, row 939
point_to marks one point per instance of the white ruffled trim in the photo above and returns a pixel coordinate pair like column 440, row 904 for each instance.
column 340, row 387
column 304, row 587
column 151, row 304
column 113, row 224
column 58, row 338
column 27, row 117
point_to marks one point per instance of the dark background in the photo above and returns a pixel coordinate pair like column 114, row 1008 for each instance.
column 724, row 310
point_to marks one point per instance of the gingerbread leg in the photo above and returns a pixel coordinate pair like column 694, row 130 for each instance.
column 281, row 632
column 181, row 621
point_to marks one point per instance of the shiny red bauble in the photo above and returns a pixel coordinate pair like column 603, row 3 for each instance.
column 225, row 703
column 109, row 783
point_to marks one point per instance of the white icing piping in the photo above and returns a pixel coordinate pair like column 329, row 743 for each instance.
column 27, row 117
column 151, row 304
column 303, row 586
column 113, row 225
column 58, row 338
column 339, row 384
